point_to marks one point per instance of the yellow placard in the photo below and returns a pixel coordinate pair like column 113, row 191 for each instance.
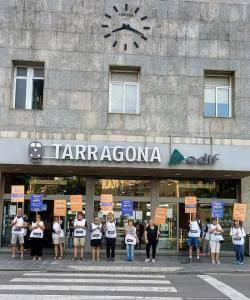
column 160, row 215
column 239, row 212
column 106, row 203
column 60, row 208
column 190, row 205
column 17, row 193
column 76, row 203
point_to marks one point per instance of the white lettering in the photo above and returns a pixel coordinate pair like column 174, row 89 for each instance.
column 118, row 154
column 143, row 154
column 67, row 152
column 57, row 149
column 92, row 152
column 155, row 156
column 105, row 154
column 128, row 151
column 80, row 150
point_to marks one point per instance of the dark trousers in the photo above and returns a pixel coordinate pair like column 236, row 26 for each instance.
column 110, row 245
column 239, row 252
column 36, row 247
column 153, row 244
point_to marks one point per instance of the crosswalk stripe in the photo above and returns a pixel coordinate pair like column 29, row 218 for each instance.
column 97, row 275
column 145, row 289
column 77, row 280
column 81, row 297
column 125, row 269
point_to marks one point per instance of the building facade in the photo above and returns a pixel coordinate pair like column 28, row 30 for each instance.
column 145, row 100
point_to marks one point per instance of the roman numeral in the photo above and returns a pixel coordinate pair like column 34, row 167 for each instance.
column 136, row 45
column 115, row 8
column 115, row 43
column 126, row 7
column 144, row 38
column 125, row 47
column 108, row 16
column 136, row 10
column 107, row 35
column 105, row 26
column 146, row 28
column 144, row 18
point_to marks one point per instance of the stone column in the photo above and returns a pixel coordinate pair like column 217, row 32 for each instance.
column 89, row 205
column 2, row 181
column 245, row 198
column 155, row 185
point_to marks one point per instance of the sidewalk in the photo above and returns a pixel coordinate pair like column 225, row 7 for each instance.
column 164, row 264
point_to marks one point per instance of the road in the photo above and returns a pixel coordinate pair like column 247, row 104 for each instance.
column 18, row 285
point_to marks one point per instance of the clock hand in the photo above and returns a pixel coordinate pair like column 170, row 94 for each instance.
column 120, row 28
column 128, row 27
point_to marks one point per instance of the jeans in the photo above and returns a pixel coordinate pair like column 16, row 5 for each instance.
column 110, row 245
column 152, row 243
column 239, row 252
column 130, row 252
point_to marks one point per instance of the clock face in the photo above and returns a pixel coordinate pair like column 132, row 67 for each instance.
column 128, row 21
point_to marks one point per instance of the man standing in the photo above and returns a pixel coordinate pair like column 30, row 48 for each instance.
column 18, row 230
column 193, row 237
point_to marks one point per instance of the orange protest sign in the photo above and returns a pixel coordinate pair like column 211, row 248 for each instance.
column 106, row 203
column 190, row 205
column 160, row 215
column 76, row 203
column 60, row 208
column 17, row 193
column 239, row 212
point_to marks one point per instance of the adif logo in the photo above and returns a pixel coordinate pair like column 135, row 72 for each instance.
column 206, row 159
column 35, row 150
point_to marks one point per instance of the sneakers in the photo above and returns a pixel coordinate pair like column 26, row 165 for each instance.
column 147, row 260
column 198, row 259
column 240, row 263
column 236, row 262
column 218, row 262
column 153, row 260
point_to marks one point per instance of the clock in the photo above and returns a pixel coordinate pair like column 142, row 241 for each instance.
column 126, row 19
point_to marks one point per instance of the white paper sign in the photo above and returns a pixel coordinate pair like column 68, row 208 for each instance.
column 170, row 213
column 117, row 214
column 100, row 215
column 12, row 210
column 138, row 215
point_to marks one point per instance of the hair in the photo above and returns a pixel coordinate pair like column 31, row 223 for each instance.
column 38, row 216
column 131, row 220
column 80, row 213
column 214, row 219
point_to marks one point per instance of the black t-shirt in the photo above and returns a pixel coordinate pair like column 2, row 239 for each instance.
column 152, row 233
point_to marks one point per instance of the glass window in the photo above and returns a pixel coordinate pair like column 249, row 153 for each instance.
column 124, row 95
column 28, row 87
column 217, row 96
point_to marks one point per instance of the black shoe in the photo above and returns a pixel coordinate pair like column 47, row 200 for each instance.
column 112, row 259
column 198, row 260
column 108, row 259
column 190, row 259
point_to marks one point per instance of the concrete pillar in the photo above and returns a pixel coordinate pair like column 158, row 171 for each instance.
column 89, row 205
column 245, row 198
column 155, row 186
column 2, row 181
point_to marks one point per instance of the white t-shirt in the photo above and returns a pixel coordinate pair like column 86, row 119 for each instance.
column 194, row 229
column 215, row 236
column 15, row 229
column 238, row 235
column 79, row 232
column 58, row 232
column 130, row 237
column 110, row 230
column 37, row 232
column 96, row 233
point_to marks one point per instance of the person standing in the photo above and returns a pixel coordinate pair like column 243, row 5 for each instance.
column 95, row 238
column 238, row 238
column 110, row 235
column 18, row 231
column 80, row 226
column 130, row 240
column 215, row 231
column 152, row 234
column 193, row 238
column 58, row 237
column 37, row 230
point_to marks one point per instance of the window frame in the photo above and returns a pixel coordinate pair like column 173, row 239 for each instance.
column 29, row 85
column 124, row 83
column 228, row 87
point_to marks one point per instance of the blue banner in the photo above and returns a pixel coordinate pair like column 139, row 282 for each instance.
column 218, row 210
column 36, row 202
column 127, row 207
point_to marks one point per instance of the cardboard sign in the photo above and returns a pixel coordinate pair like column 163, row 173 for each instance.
column 190, row 205
column 239, row 212
column 36, row 202
column 60, row 208
column 127, row 207
column 76, row 203
column 17, row 193
column 217, row 210
column 106, row 203
column 160, row 215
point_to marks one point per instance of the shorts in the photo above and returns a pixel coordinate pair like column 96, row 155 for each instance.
column 79, row 241
column 17, row 237
column 58, row 241
column 215, row 246
column 95, row 243
column 193, row 242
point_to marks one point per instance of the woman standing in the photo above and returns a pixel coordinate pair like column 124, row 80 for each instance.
column 37, row 229
column 215, row 232
column 80, row 226
column 151, row 238
column 130, row 240
column 238, row 237
column 110, row 234
column 58, row 237
column 95, row 238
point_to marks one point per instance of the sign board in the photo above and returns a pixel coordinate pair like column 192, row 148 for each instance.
column 127, row 207
column 217, row 210
column 170, row 213
column 190, row 205
column 36, row 202
column 117, row 214
column 12, row 210
column 239, row 212
column 76, row 203
column 17, row 193
column 60, row 208
column 45, row 207
column 160, row 215
column 106, row 203
column 138, row 214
